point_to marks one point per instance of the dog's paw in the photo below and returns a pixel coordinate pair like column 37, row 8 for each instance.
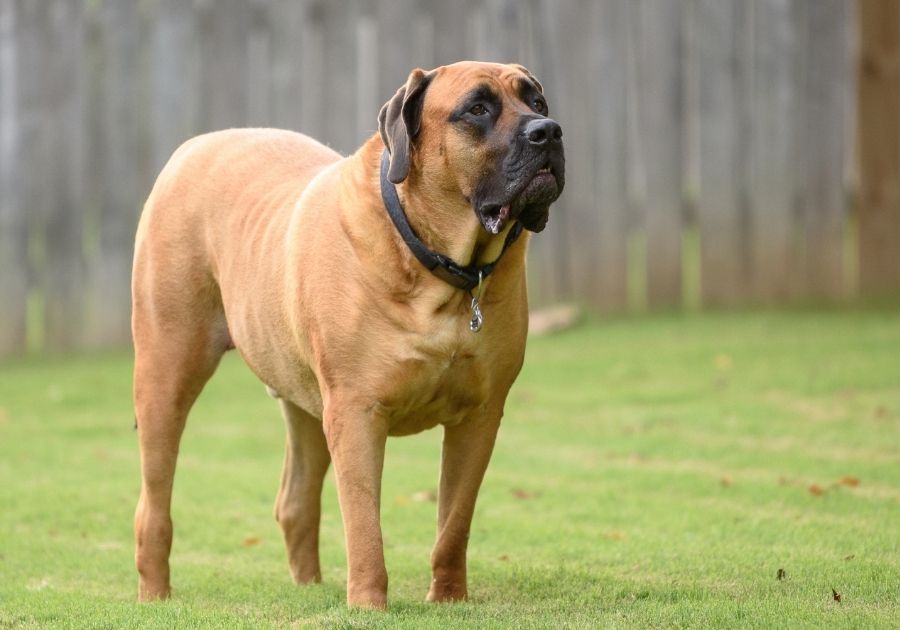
column 445, row 591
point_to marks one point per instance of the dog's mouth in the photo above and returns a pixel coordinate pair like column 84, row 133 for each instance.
column 528, row 199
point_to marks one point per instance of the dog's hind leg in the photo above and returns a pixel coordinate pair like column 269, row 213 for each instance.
column 178, row 341
column 169, row 372
column 298, row 506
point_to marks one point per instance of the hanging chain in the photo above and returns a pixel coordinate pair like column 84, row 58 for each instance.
column 477, row 317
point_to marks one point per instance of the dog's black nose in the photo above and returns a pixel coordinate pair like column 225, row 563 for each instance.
column 542, row 130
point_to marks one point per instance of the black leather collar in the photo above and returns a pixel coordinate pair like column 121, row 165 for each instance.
column 445, row 268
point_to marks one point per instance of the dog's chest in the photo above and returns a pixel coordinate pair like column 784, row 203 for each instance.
column 443, row 380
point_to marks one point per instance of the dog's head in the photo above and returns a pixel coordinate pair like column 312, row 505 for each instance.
column 480, row 131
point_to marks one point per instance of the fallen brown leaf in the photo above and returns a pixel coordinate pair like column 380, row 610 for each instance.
column 614, row 534
column 726, row 481
column 850, row 557
column 816, row 490
column 781, row 574
column 251, row 541
column 503, row 558
column 519, row 493
column 835, row 595
column 849, row 481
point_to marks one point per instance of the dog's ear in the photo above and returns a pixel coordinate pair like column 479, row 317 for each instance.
column 399, row 122
column 527, row 73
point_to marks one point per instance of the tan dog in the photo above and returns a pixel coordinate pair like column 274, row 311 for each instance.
column 269, row 242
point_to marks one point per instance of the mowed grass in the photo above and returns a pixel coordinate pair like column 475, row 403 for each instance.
column 651, row 472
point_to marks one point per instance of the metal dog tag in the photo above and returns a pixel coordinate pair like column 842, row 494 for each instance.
column 477, row 317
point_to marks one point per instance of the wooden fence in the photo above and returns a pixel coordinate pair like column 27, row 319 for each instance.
column 708, row 141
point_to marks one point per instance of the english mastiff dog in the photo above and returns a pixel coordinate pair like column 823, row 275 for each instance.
column 377, row 294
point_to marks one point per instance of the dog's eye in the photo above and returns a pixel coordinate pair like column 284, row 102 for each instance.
column 478, row 110
column 540, row 106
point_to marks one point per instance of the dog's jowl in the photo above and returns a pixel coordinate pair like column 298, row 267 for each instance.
column 377, row 294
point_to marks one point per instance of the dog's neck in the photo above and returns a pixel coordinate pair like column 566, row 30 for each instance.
column 448, row 228
column 453, row 231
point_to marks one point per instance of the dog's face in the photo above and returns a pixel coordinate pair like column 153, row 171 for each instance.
column 480, row 131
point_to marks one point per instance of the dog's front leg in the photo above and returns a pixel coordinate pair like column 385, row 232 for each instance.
column 467, row 450
column 356, row 440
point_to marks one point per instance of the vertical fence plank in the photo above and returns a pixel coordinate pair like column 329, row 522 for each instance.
column 287, row 33
column 423, row 36
column 13, row 223
column 223, row 28
column 660, row 126
column 62, row 37
column 314, row 72
column 259, row 65
column 451, row 31
column 173, row 77
column 367, row 62
column 500, row 40
column 719, row 206
column 828, row 75
column 31, row 107
column 775, row 115
column 395, row 45
column 405, row 40
column 123, row 173
column 341, row 18
column 879, row 146
column 606, row 197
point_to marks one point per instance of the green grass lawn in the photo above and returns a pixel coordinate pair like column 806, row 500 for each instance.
column 651, row 472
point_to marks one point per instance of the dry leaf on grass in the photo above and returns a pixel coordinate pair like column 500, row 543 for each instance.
column 726, row 481
column 835, row 595
column 519, row 493
column 816, row 490
column 781, row 574
column 614, row 534
column 251, row 541
column 850, row 557
column 849, row 480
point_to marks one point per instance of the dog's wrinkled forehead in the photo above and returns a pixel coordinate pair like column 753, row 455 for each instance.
column 456, row 84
